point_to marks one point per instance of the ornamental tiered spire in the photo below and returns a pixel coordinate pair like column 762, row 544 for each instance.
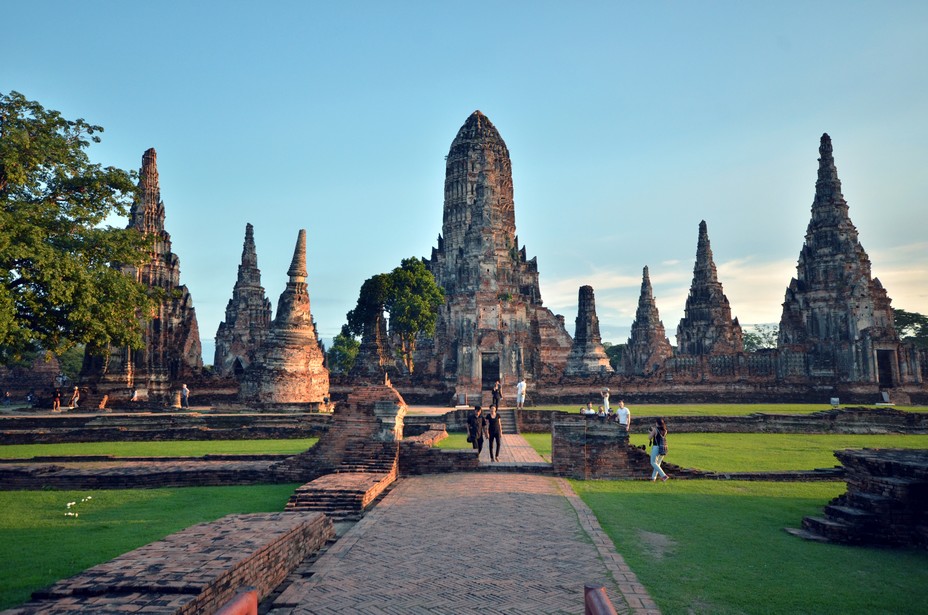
column 587, row 355
column 648, row 346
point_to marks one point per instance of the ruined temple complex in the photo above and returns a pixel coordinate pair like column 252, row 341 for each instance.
column 171, row 352
column 493, row 324
column 248, row 316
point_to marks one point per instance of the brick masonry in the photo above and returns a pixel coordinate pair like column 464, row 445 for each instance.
column 193, row 571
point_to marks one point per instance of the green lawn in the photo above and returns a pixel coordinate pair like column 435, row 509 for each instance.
column 718, row 547
column 717, row 409
column 173, row 448
column 40, row 544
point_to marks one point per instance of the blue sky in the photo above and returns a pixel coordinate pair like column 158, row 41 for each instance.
column 627, row 124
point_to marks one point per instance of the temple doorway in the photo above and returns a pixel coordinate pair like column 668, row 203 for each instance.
column 884, row 363
column 489, row 370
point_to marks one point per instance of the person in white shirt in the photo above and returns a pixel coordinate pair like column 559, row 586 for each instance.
column 623, row 415
column 520, row 394
column 606, row 399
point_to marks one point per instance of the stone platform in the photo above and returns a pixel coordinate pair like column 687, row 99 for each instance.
column 193, row 571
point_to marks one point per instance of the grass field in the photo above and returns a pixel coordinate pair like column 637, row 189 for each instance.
column 718, row 547
column 173, row 448
column 40, row 544
column 716, row 409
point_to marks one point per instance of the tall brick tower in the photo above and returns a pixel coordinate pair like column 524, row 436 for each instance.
column 707, row 327
column 248, row 315
column 648, row 346
column 493, row 324
column 834, row 310
column 172, row 351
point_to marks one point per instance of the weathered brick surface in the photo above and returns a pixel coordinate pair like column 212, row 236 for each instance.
column 463, row 543
column 193, row 571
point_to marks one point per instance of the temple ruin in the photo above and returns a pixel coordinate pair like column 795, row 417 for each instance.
column 493, row 325
column 248, row 316
column 587, row 355
column 707, row 327
column 648, row 346
column 171, row 353
column 288, row 367
column 834, row 311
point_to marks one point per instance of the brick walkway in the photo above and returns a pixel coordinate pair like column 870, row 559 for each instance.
column 468, row 543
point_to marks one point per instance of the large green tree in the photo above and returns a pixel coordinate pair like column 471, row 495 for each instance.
column 912, row 327
column 60, row 282
column 760, row 337
column 344, row 351
column 411, row 297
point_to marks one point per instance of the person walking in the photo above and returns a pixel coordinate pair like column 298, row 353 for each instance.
column 476, row 427
column 605, row 394
column 520, row 393
column 658, row 439
column 494, row 433
column 184, row 397
column 75, row 397
column 56, row 400
column 497, row 395
column 623, row 416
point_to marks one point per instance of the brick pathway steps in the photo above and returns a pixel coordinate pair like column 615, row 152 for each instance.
column 467, row 543
column 341, row 496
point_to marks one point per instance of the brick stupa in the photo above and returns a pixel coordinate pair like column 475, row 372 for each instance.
column 707, row 327
column 648, row 346
column 587, row 355
column 248, row 316
column 172, row 352
column 288, row 367
column 834, row 310
column 493, row 324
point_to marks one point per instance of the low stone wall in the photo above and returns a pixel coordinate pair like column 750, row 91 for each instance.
column 144, row 427
column 197, row 570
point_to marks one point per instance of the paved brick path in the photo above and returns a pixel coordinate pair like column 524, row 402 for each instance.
column 468, row 543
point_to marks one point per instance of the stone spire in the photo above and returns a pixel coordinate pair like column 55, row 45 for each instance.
column 648, row 346
column 172, row 352
column 587, row 356
column 833, row 309
column 373, row 359
column 493, row 325
column 248, row 315
column 707, row 327
column 288, row 367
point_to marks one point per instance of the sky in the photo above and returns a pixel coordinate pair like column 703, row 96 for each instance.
column 627, row 123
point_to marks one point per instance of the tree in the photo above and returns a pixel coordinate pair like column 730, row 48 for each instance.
column 344, row 351
column 411, row 297
column 615, row 352
column 761, row 337
column 912, row 327
column 60, row 282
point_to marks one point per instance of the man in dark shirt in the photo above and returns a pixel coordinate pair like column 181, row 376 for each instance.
column 476, row 426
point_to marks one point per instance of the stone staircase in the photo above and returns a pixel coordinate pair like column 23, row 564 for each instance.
column 886, row 503
column 508, row 421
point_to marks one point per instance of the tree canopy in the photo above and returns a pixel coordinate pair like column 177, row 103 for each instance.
column 912, row 327
column 344, row 351
column 60, row 282
column 411, row 297
column 760, row 337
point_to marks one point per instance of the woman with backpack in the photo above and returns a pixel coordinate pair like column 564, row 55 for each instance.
column 658, row 441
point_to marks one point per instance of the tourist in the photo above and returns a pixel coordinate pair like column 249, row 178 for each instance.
column 476, row 426
column 75, row 397
column 184, row 397
column 658, row 440
column 520, row 393
column 494, row 432
column 623, row 415
column 56, row 400
column 587, row 409
column 134, row 396
column 605, row 394
column 497, row 395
